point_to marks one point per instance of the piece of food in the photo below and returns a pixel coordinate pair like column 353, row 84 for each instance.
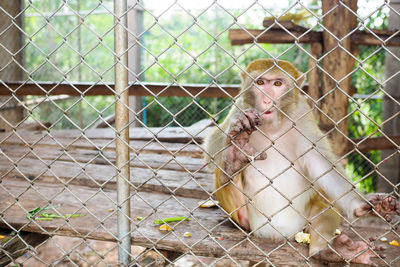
column 302, row 237
column 383, row 239
column 165, row 227
column 208, row 204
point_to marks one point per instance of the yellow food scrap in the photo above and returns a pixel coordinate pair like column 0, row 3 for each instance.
column 338, row 232
column 187, row 234
column 110, row 210
column 394, row 243
column 165, row 227
column 208, row 204
column 302, row 237
column 2, row 236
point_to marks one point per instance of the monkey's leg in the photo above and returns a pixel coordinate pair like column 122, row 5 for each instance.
column 324, row 223
column 233, row 201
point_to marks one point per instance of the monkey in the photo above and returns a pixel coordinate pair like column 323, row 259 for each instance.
column 275, row 171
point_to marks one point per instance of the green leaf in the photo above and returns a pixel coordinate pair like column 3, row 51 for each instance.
column 172, row 219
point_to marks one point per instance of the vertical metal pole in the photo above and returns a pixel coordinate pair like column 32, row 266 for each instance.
column 122, row 127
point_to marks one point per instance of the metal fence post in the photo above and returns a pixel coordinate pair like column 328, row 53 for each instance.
column 122, row 128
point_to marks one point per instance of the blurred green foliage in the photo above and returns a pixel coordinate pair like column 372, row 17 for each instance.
column 366, row 114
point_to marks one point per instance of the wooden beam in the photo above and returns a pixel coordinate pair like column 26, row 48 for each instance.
column 375, row 143
column 274, row 36
column 240, row 37
column 15, row 245
column 376, row 38
column 142, row 89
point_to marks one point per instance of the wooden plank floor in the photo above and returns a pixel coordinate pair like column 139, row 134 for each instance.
column 75, row 174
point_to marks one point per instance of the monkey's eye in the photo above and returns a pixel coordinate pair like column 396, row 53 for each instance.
column 277, row 83
column 259, row 82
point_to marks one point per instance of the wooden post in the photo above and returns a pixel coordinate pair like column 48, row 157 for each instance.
column 314, row 77
column 337, row 64
column 390, row 166
column 11, row 41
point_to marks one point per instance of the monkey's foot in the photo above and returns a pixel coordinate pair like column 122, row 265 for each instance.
column 344, row 248
column 385, row 205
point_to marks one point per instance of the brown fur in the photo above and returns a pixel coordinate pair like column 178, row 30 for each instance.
column 270, row 65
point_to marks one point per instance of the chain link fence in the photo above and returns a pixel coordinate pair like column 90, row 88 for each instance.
column 60, row 170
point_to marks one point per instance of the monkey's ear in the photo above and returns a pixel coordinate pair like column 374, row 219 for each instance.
column 300, row 81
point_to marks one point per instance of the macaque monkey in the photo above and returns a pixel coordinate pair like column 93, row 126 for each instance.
column 275, row 172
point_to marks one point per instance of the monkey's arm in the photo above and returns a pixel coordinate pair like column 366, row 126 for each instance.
column 339, row 189
column 331, row 182
column 229, row 152
column 324, row 219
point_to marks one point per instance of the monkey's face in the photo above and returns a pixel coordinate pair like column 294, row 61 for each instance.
column 269, row 89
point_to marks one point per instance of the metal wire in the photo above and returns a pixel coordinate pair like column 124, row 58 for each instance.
column 79, row 174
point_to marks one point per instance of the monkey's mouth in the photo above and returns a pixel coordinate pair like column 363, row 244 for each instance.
column 268, row 112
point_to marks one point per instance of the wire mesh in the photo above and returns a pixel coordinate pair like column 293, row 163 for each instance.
column 59, row 169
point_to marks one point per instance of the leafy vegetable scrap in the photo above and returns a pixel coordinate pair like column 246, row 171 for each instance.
column 37, row 215
column 171, row 219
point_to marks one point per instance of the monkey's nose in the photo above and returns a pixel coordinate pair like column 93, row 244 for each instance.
column 267, row 101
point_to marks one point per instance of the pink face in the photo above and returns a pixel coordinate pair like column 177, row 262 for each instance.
column 268, row 89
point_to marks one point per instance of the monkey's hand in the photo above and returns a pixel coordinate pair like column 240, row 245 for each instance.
column 384, row 204
column 240, row 152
